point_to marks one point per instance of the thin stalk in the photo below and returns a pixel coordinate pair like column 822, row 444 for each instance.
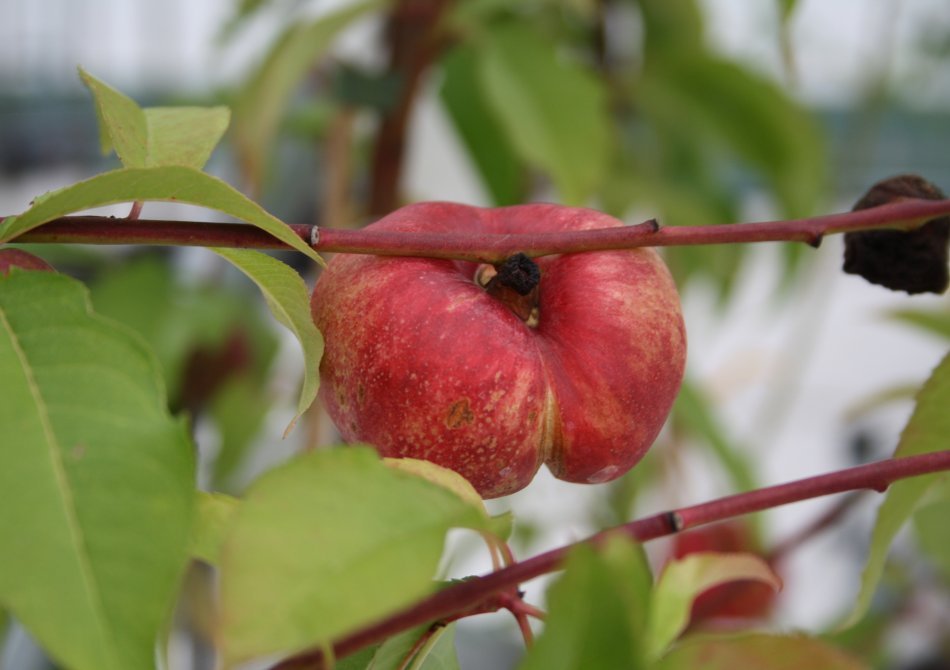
column 483, row 247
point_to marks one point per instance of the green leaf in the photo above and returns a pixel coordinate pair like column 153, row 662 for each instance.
column 288, row 299
column 117, row 294
column 684, row 579
column 239, row 411
column 756, row 650
column 703, row 100
column 935, row 322
column 933, row 531
column 184, row 135
column 156, row 136
column 358, row 661
column 261, row 103
column 554, row 111
column 182, row 320
column 925, row 432
column 170, row 183
column 328, row 542
column 214, row 514
column 596, row 611
column 438, row 652
column 444, row 477
column 97, row 484
column 122, row 124
column 692, row 408
column 497, row 163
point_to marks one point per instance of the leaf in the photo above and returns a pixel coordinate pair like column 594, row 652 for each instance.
column 184, row 135
column 444, row 477
column 933, row 531
column 499, row 525
column 596, row 611
column 935, row 322
column 122, row 124
column 553, row 110
column 438, row 652
column 97, row 484
column 684, row 579
column 213, row 517
column 492, row 154
column 925, row 432
column 358, row 661
column 692, row 408
column 326, row 543
column 704, row 100
column 157, row 136
column 17, row 258
column 170, row 183
column 117, row 294
column 239, row 411
column 288, row 299
column 261, row 102
column 185, row 322
column 756, row 650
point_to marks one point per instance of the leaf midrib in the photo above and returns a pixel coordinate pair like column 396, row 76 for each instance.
column 68, row 504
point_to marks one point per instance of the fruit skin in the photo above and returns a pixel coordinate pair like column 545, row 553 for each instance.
column 422, row 362
column 741, row 599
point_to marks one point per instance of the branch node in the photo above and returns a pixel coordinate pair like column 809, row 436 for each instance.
column 314, row 236
column 650, row 224
column 675, row 521
column 816, row 240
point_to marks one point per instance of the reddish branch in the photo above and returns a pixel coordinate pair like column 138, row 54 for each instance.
column 483, row 594
column 415, row 41
column 481, row 247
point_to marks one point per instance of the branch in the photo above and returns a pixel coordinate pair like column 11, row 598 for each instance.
column 480, row 594
column 483, row 247
column 415, row 41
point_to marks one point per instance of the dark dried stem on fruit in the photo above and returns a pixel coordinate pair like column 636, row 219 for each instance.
column 515, row 282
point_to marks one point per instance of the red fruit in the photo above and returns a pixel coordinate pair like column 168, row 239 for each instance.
column 741, row 599
column 422, row 361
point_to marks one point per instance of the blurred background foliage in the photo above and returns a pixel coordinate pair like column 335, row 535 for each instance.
column 622, row 105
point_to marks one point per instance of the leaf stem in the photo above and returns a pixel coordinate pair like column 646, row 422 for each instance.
column 482, row 247
column 471, row 595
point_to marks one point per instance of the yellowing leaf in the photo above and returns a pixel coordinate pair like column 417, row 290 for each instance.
column 684, row 579
column 759, row 651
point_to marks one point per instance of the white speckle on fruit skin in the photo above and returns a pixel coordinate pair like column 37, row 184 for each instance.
column 604, row 475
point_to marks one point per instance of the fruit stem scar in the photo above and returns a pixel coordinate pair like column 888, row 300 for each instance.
column 515, row 282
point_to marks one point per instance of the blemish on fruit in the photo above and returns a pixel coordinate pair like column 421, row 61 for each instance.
column 460, row 414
